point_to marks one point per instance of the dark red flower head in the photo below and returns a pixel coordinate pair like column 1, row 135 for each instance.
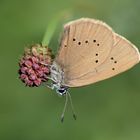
column 35, row 65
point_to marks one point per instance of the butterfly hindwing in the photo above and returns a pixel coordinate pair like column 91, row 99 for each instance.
column 123, row 56
column 85, row 42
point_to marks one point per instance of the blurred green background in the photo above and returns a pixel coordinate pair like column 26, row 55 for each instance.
column 108, row 110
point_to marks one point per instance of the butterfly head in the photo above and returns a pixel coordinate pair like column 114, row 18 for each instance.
column 62, row 90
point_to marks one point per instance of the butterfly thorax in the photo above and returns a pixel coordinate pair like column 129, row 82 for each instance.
column 57, row 77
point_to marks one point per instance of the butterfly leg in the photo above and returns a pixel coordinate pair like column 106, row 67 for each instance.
column 50, row 86
column 50, row 78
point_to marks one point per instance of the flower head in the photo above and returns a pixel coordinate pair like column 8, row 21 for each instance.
column 35, row 65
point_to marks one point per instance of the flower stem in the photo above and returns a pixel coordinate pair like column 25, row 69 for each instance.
column 52, row 26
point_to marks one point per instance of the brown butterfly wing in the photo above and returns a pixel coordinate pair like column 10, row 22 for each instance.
column 86, row 46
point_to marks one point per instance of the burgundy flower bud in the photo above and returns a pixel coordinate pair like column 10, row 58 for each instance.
column 23, row 77
column 45, row 70
column 30, row 71
column 34, row 65
column 35, row 59
column 28, row 82
column 38, row 81
column 32, row 77
column 28, row 63
column 40, row 73
column 23, row 70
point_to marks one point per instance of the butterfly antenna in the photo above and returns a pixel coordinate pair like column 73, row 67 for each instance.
column 72, row 107
column 66, row 102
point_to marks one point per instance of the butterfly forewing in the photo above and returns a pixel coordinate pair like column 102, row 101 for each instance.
column 89, row 43
column 60, row 59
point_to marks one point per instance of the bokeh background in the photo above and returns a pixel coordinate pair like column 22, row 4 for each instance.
column 108, row 110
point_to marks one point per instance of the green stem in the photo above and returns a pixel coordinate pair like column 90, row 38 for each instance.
column 52, row 26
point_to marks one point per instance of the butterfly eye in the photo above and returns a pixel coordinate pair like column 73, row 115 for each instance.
column 98, row 44
column 96, row 54
column 94, row 40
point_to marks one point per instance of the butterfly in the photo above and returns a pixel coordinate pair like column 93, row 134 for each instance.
column 90, row 51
